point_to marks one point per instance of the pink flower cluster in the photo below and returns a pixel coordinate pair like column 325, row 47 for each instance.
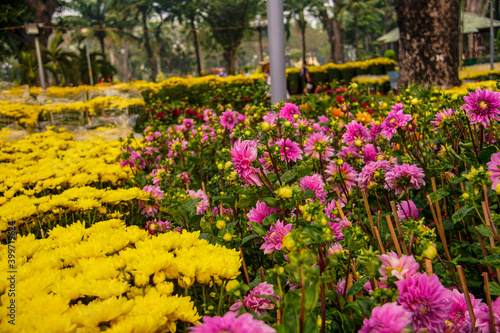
column 274, row 238
column 254, row 302
column 202, row 206
column 243, row 153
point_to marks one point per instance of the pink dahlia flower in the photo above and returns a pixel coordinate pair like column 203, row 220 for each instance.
column 395, row 119
column 151, row 206
column 202, row 206
column 407, row 210
column 187, row 124
column 349, row 153
column 458, row 316
column 230, row 323
column 288, row 111
column 228, row 119
column 441, row 117
column 154, row 227
column 343, row 177
column 402, row 176
column 481, row 106
column 483, row 320
column 400, row 268
column 494, row 168
column 388, row 318
column 260, row 212
column 373, row 173
column 426, row 299
column 274, row 238
column 254, row 302
column 316, row 184
column 318, row 143
column 290, row 151
column 370, row 153
column 355, row 131
column 242, row 156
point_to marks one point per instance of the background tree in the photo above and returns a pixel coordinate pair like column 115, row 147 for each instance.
column 330, row 14
column 60, row 61
column 428, row 42
column 296, row 10
column 43, row 12
column 229, row 19
column 13, row 13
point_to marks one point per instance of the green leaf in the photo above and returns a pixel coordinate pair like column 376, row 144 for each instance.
column 312, row 295
column 271, row 202
column 483, row 230
column 485, row 154
column 461, row 213
column 247, row 238
column 271, row 219
column 246, row 202
column 309, row 194
column 438, row 195
column 493, row 260
column 190, row 206
column 305, row 168
column 494, row 289
column 291, row 312
column 258, row 228
column 288, row 176
column 356, row 288
column 468, row 261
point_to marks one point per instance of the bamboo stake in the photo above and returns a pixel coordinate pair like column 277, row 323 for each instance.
column 348, row 286
column 393, row 235
column 442, row 236
column 341, row 212
column 374, row 283
column 353, row 268
column 247, row 278
column 444, row 199
column 262, row 277
column 488, row 300
column 488, row 225
column 398, row 226
column 483, row 249
column 428, row 267
column 379, row 240
column 467, row 296
column 368, row 212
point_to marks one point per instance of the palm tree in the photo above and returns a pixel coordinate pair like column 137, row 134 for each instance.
column 295, row 10
column 59, row 60
column 28, row 67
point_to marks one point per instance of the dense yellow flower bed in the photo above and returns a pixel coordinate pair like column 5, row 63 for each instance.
column 371, row 79
column 463, row 89
column 48, row 171
column 110, row 277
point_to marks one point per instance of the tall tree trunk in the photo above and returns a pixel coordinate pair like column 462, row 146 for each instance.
column 44, row 9
column 230, row 57
column 428, row 42
column 158, row 61
column 103, row 47
column 259, row 30
column 125, row 62
column 356, row 32
column 196, row 46
column 336, row 44
column 302, row 26
column 147, row 45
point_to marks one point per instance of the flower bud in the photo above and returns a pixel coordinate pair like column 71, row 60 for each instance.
column 285, row 192
column 227, row 237
column 232, row 285
column 248, row 133
column 430, row 252
column 465, row 196
column 141, row 280
column 265, row 126
column 221, row 224
column 159, row 277
column 288, row 243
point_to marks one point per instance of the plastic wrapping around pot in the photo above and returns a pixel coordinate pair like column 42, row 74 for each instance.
column 362, row 71
column 319, row 78
column 293, row 83
column 376, row 70
column 334, row 74
column 348, row 74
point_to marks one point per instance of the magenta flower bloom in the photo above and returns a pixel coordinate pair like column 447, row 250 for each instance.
column 483, row 320
column 458, row 316
column 336, row 248
column 185, row 177
column 242, row 156
column 407, row 211
column 260, row 212
column 288, row 111
column 441, row 117
column 340, row 287
column 395, row 119
column 273, row 239
column 426, row 299
column 343, row 177
column 228, row 119
column 388, row 318
column 290, row 151
column 318, row 143
column 151, row 206
column 373, row 173
column 401, row 177
column 356, row 133
column 400, row 268
column 187, row 124
column 370, row 153
column 332, row 206
column 254, row 302
column 349, row 153
column 316, row 184
column 154, row 227
column 202, row 206
column 494, row 168
column 230, row 323
column 481, row 106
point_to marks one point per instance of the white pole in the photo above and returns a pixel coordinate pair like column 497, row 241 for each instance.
column 40, row 65
column 88, row 62
column 492, row 37
column 276, row 32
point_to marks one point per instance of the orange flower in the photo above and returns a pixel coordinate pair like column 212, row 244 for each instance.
column 364, row 117
column 336, row 112
column 303, row 107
